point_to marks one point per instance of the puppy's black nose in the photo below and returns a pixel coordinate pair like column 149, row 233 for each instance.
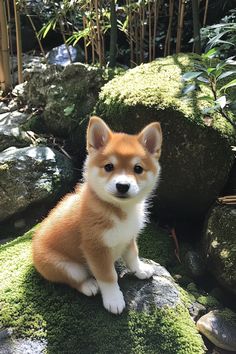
column 122, row 188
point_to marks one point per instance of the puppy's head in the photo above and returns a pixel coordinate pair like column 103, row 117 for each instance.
column 122, row 168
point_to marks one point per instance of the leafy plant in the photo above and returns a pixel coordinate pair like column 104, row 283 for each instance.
column 220, row 76
column 221, row 35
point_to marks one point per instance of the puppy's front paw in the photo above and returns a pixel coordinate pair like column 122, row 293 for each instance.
column 115, row 303
column 144, row 271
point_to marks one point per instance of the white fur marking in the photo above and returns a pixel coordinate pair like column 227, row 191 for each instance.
column 113, row 299
column 123, row 231
column 74, row 271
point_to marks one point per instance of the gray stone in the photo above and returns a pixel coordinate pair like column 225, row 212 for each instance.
column 29, row 175
column 22, row 346
column 11, row 133
column 3, row 108
column 196, row 310
column 195, row 264
column 220, row 328
column 141, row 295
column 59, row 55
column 219, row 244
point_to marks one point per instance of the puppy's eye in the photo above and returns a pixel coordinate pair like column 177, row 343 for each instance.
column 109, row 167
column 138, row 169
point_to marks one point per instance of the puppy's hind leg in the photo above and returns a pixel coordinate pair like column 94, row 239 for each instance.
column 57, row 268
column 79, row 278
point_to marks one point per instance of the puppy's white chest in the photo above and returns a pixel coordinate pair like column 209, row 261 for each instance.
column 123, row 231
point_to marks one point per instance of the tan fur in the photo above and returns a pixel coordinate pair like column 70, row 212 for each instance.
column 73, row 231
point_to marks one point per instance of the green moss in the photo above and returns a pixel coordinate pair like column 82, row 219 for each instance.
column 162, row 246
column 157, row 85
column 208, row 301
column 73, row 323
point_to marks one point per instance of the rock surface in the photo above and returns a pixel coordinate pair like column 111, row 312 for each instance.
column 159, row 291
column 29, row 175
column 67, row 95
column 11, row 133
column 154, row 321
column 220, row 328
column 219, row 245
column 196, row 159
column 59, row 55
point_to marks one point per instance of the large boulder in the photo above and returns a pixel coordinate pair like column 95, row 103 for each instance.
column 30, row 175
column 155, row 320
column 196, row 158
column 219, row 243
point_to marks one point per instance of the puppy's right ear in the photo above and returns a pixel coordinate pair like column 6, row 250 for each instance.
column 98, row 134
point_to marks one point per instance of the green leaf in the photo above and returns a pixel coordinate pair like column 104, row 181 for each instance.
column 230, row 84
column 203, row 79
column 68, row 110
column 191, row 75
column 221, row 101
column 226, row 74
column 189, row 88
column 210, row 53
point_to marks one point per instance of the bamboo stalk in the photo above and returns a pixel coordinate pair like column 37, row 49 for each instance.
column 168, row 35
column 18, row 43
column 92, row 32
column 113, row 35
column 149, row 32
column 4, row 50
column 205, row 13
column 130, row 35
column 85, row 42
column 62, row 30
column 136, row 39
column 98, row 33
column 196, row 27
column 35, row 31
column 156, row 18
column 8, row 12
column 180, row 25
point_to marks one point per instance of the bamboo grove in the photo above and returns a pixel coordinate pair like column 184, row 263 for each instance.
column 149, row 29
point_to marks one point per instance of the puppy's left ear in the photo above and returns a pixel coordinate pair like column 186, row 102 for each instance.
column 151, row 138
column 98, row 134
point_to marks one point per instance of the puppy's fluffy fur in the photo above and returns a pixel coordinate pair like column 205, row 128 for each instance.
column 90, row 229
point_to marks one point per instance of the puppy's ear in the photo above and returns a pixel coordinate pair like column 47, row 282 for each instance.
column 151, row 138
column 98, row 134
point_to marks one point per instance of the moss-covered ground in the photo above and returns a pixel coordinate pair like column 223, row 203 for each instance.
column 72, row 323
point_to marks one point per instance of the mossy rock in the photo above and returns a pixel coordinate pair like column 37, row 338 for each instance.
column 65, row 95
column 196, row 158
column 219, row 244
column 73, row 323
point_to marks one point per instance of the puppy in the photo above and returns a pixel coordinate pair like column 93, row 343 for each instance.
column 81, row 238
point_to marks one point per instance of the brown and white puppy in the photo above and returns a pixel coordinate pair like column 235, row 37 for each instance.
column 90, row 229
